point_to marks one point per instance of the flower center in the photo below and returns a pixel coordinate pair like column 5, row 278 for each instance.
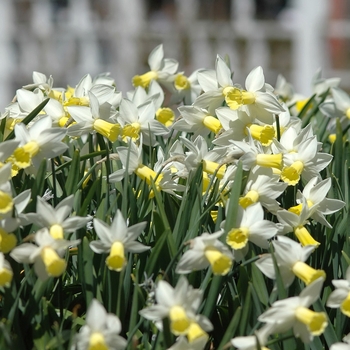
column 211, row 167
column 165, row 116
column 235, row 97
column 55, row 266
column 195, row 332
column 56, row 231
column 106, row 129
column 5, row 277
column 219, row 262
column 291, row 174
column 304, row 237
column 269, row 160
column 316, row 322
column 22, row 156
column 212, row 123
column 7, row 241
column 116, row 259
column 97, row 342
column 179, row 322
column 345, row 306
column 237, row 238
column 144, row 79
column 264, row 134
column 181, row 82
column 132, row 131
column 6, row 203
column 306, row 273
column 250, row 198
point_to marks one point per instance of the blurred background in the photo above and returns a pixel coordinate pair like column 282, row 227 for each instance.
column 69, row 38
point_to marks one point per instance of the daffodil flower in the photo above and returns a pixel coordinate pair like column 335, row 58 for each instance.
column 292, row 222
column 56, row 219
column 117, row 240
column 101, row 331
column 340, row 297
column 206, row 250
column 161, row 68
column 250, row 226
column 264, row 187
column 94, row 118
column 140, row 121
column 315, row 194
column 294, row 313
column 40, row 141
column 45, row 254
column 197, row 120
column 290, row 258
column 179, row 304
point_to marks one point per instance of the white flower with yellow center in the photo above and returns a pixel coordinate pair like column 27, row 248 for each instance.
column 6, row 273
column 206, row 250
column 236, row 122
column 306, row 163
column 290, row 258
column 340, row 297
column 264, row 187
column 94, row 118
column 256, row 99
column 250, row 226
column 294, row 313
column 117, row 240
column 101, row 87
column 213, row 83
column 46, row 254
column 56, row 219
column 101, row 331
column 197, row 120
column 183, row 88
column 292, row 222
column 180, row 305
column 140, row 120
column 161, row 68
column 198, row 152
column 315, row 194
column 132, row 157
column 252, row 153
column 40, row 141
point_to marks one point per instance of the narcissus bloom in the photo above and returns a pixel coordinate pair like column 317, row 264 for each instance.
column 56, row 219
column 180, row 305
column 46, row 254
column 161, row 68
column 290, row 258
column 101, row 331
column 116, row 240
column 340, row 297
column 40, row 141
column 294, row 313
column 206, row 250
column 250, row 226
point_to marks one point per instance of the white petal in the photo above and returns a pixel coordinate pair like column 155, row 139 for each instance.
column 255, row 80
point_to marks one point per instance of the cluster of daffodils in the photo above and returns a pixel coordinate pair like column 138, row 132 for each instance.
column 158, row 138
